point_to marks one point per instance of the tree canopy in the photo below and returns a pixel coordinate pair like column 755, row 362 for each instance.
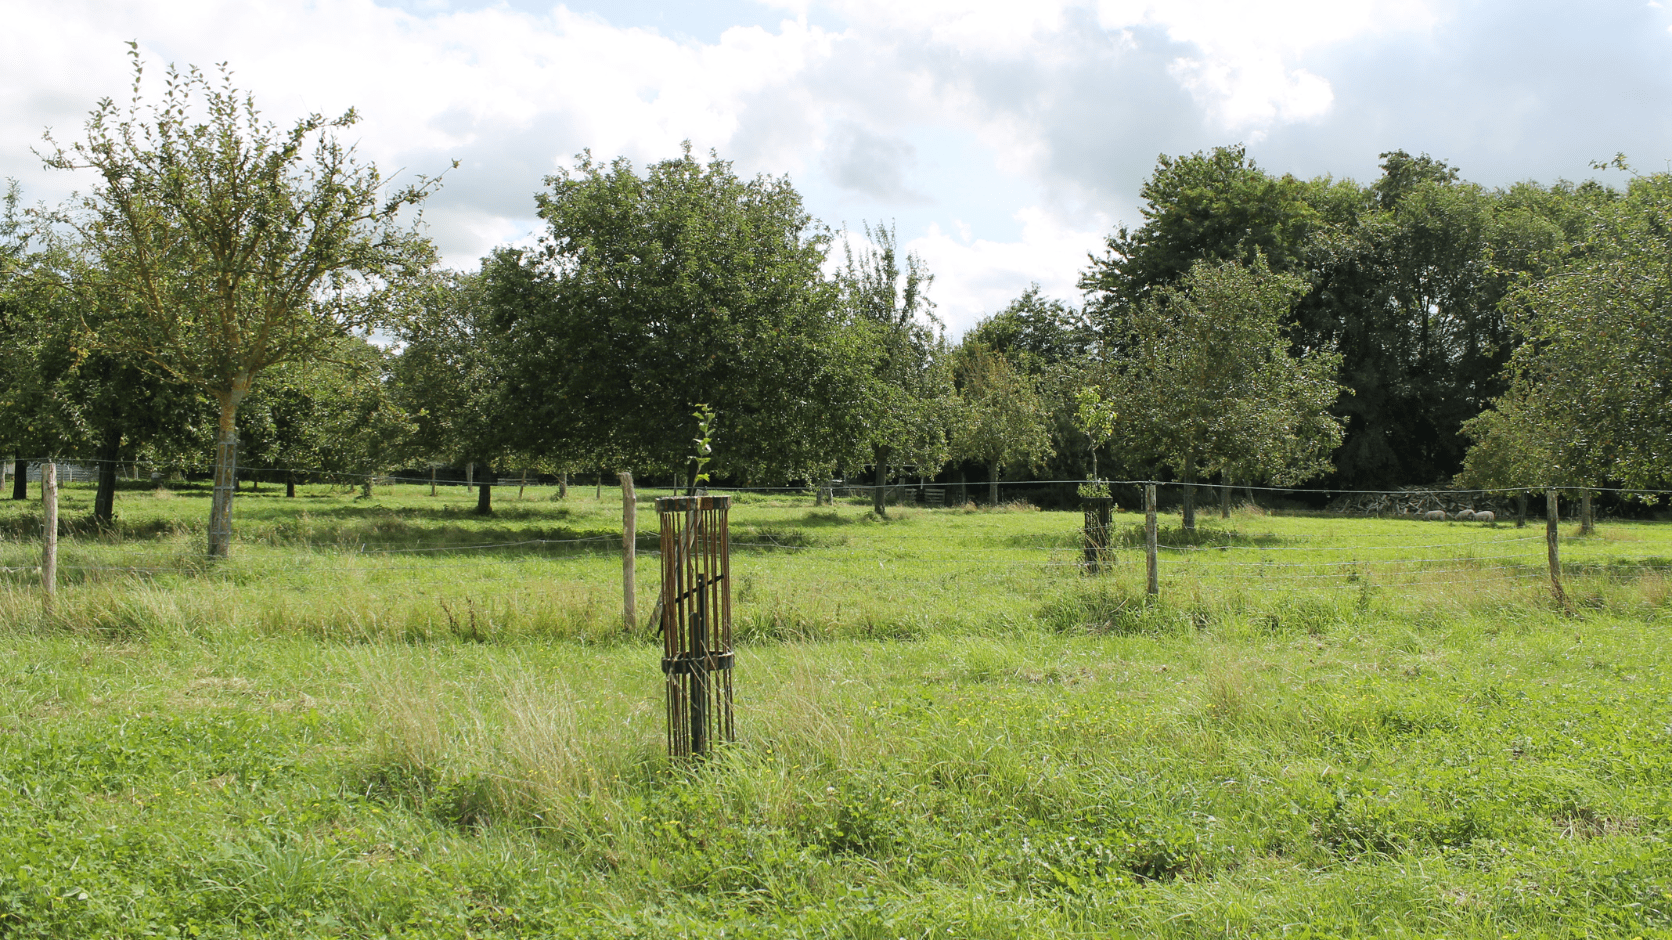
column 651, row 293
column 1204, row 382
column 240, row 245
column 1590, row 388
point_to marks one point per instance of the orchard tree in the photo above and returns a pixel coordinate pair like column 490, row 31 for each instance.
column 337, row 415
column 652, row 293
column 61, row 392
column 449, row 374
column 1002, row 421
column 1204, row 381
column 243, row 245
column 1590, row 388
column 909, row 399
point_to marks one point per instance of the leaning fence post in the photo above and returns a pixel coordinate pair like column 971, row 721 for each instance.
column 49, row 530
column 1552, row 531
column 629, row 552
column 1150, row 540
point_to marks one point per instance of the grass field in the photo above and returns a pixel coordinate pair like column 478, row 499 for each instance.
column 368, row 722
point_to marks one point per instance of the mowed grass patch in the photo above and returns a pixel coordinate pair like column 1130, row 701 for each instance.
column 997, row 745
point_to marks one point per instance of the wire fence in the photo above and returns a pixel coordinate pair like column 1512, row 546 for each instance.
column 891, row 566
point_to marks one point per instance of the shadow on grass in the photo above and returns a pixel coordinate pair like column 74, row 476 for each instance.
column 824, row 518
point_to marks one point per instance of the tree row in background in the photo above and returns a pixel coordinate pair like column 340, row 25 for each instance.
column 231, row 292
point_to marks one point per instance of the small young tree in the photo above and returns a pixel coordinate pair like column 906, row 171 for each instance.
column 1204, row 379
column 1095, row 417
column 243, row 246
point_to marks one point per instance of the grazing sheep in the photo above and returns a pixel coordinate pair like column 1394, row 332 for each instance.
column 1486, row 516
column 1435, row 515
column 1465, row 514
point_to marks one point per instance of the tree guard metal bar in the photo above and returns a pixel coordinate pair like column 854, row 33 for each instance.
column 697, row 655
column 1098, row 518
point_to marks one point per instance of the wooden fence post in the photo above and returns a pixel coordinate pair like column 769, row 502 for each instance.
column 1150, row 540
column 1552, row 533
column 629, row 552
column 49, row 531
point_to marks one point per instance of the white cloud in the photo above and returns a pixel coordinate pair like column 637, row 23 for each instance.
column 976, row 277
column 1244, row 74
column 1033, row 124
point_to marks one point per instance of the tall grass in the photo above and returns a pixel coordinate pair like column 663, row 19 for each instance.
column 945, row 729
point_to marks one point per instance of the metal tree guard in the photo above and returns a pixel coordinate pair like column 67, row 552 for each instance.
column 1098, row 517
column 696, row 622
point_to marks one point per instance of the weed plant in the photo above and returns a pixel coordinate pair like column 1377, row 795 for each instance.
column 369, row 723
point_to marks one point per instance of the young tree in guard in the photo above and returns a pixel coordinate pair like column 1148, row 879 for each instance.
column 697, row 653
column 243, row 245
column 1097, row 523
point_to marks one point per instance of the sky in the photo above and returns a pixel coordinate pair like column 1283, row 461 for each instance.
column 1004, row 141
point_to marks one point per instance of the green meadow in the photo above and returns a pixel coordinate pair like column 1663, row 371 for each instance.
column 391, row 717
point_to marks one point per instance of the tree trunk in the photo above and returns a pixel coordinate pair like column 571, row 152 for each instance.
column 484, row 499
column 290, row 484
column 523, row 485
column 366, row 487
column 469, row 477
column 1190, row 496
column 226, row 469
column 1224, row 495
column 563, row 485
column 20, row 480
column 1587, row 522
column 255, row 481
column 879, row 493
column 104, row 501
column 1248, row 490
column 992, row 484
